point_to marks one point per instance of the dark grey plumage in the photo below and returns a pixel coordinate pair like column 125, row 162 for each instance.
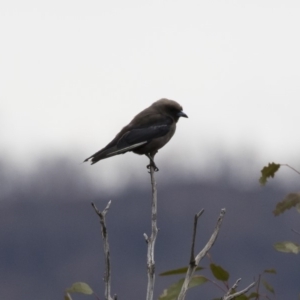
column 149, row 131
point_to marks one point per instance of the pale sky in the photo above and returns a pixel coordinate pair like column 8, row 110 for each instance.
column 73, row 73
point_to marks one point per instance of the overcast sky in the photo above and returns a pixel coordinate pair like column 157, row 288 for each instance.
column 72, row 73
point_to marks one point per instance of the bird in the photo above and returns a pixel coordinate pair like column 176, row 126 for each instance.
column 148, row 132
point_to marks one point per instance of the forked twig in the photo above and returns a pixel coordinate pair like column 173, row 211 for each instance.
column 229, row 296
column 194, row 261
column 107, row 275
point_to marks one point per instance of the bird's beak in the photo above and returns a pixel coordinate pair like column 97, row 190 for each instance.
column 182, row 114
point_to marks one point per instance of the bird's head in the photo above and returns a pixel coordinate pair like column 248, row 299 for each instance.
column 171, row 108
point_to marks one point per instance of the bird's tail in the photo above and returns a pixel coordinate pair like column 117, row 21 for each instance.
column 105, row 153
column 102, row 154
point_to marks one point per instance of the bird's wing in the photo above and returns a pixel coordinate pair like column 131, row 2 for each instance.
column 137, row 137
column 124, row 150
column 150, row 127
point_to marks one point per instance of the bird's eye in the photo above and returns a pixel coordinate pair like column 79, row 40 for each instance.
column 174, row 110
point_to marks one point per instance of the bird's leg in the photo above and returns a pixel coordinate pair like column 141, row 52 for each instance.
column 152, row 163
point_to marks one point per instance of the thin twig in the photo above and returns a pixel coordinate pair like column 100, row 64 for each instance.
column 286, row 165
column 257, row 288
column 192, row 266
column 217, row 285
column 230, row 296
column 212, row 239
column 151, row 240
column 233, row 287
column 107, row 276
column 295, row 231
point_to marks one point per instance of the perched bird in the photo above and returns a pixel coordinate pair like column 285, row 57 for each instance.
column 149, row 131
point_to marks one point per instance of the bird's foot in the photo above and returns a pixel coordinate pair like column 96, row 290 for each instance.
column 152, row 163
column 156, row 169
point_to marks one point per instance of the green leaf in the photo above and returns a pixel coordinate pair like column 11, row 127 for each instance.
column 287, row 247
column 178, row 271
column 197, row 280
column 253, row 295
column 80, row 287
column 271, row 271
column 288, row 202
column 268, row 171
column 268, row 286
column 173, row 291
column 219, row 272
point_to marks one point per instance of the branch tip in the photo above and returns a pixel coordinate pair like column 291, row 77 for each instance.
column 146, row 238
column 198, row 215
column 230, row 296
column 107, row 275
column 106, row 208
column 236, row 283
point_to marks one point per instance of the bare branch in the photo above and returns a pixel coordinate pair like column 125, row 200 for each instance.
column 151, row 240
column 233, row 287
column 193, row 264
column 230, row 296
column 107, row 275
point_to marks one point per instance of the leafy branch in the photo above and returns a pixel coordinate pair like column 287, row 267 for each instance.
column 290, row 201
